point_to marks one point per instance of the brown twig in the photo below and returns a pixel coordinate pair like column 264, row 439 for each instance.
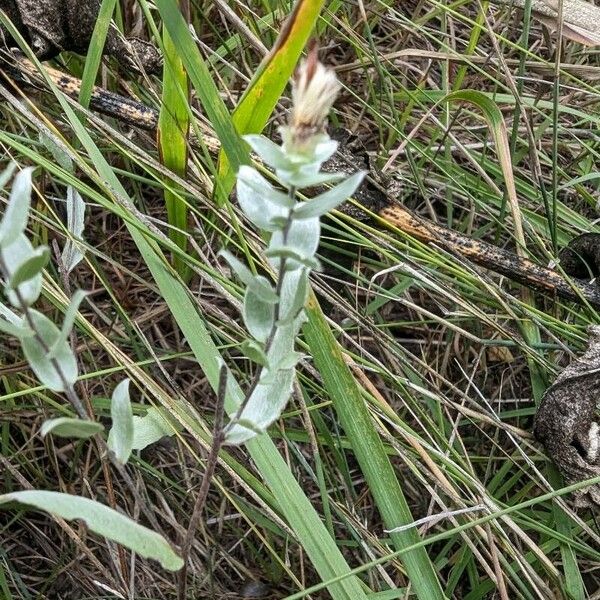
column 491, row 257
column 211, row 464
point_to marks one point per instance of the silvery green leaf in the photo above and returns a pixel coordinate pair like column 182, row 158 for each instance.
column 297, row 259
column 30, row 268
column 261, row 288
column 284, row 340
column 15, row 254
column 307, row 177
column 68, row 321
column 302, row 238
column 268, row 192
column 102, row 520
column 257, row 283
column 289, row 361
column 152, row 427
column 120, row 436
column 72, row 255
column 71, row 428
column 324, row 149
column 264, row 406
column 18, row 331
column 271, row 154
column 239, row 268
column 15, row 216
column 10, row 316
column 330, row 199
column 58, row 153
column 254, row 194
column 7, row 174
column 37, row 355
column 294, row 290
column 258, row 315
column 255, row 352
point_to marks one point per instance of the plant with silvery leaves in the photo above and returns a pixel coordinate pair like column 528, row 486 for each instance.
column 274, row 312
column 51, row 358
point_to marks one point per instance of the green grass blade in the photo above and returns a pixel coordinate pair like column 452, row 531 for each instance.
column 368, row 448
column 269, row 81
column 204, row 85
column 173, row 128
column 94, row 53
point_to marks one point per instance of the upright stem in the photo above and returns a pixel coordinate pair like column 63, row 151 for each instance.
column 271, row 336
column 211, row 464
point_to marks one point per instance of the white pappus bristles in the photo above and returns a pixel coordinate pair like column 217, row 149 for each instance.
column 315, row 88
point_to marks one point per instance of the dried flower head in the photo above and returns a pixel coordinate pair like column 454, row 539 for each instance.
column 314, row 90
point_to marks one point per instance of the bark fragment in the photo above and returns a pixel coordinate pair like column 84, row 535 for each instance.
column 566, row 422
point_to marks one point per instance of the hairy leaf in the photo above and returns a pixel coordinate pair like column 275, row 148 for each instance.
column 15, row 216
column 14, row 256
column 101, row 520
column 120, row 437
column 259, row 316
column 71, row 428
column 56, row 373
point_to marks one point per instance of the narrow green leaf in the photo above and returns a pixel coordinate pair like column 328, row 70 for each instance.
column 71, row 428
column 101, row 520
column 29, row 269
column 173, row 126
column 95, row 49
column 204, row 85
column 270, row 79
column 120, row 436
column 369, row 450
column 15, row 216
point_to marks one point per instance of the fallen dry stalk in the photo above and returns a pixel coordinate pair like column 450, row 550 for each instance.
column 491, row 257
column 524, row 271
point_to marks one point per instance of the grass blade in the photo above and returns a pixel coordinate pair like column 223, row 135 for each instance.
column 270, row 79
column 173, row 128
column 369, row 450
column 94, row 54
column 204, row 85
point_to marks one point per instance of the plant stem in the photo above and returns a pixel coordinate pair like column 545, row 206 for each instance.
column 211, row 464
column 271, row 336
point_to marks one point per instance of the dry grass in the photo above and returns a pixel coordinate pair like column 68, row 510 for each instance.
column 452, row 358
